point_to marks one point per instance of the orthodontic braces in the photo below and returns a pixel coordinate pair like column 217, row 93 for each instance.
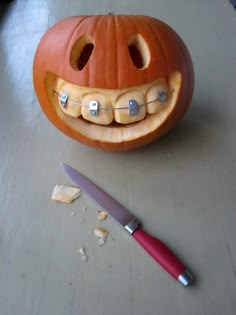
column 94, row 107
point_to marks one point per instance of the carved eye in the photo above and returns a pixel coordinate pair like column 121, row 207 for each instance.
column 139, row 51
column 81, row 53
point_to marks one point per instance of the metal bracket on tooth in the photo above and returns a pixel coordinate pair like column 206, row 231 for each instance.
column 63, row 99
column 133, row 107
column 93, row 108
column 162, row 96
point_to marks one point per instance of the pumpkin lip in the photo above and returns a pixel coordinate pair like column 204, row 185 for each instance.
column 115, row 133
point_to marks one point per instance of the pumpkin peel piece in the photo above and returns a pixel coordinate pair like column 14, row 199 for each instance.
column 102, row 215
column 101, row 235
column 64, row 193
column 83, row 254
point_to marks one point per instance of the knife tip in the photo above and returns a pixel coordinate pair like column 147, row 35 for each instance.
column 64, row 166
column 67, row 168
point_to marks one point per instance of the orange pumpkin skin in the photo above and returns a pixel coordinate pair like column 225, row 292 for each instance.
column 110, row 67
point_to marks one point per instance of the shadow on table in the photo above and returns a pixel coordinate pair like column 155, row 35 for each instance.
column 196, row 130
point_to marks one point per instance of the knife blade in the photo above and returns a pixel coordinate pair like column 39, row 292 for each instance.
column 153, row 246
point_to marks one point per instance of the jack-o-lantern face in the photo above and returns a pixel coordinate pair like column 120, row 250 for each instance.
column 113, row 82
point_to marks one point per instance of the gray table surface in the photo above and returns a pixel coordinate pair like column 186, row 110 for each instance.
column 183, row 186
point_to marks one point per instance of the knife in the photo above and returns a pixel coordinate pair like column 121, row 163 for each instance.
column 156, row 248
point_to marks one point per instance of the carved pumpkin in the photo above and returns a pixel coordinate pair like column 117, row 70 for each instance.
column 115, row 82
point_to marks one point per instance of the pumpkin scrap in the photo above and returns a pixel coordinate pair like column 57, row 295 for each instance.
column 102, row 215
column 65, row 193
column 83, row 255
column 101, row 234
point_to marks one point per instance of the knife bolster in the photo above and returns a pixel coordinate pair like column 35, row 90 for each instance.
column 133, row 225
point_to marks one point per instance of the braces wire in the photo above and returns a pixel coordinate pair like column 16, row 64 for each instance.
column 110, row 107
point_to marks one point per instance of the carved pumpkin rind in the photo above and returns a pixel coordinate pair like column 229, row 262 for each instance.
column 110, row 67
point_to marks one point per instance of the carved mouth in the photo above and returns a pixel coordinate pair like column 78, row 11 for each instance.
column 114, row 113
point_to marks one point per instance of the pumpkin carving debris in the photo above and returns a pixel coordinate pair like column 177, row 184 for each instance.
column 64, row 193
column 101, row 234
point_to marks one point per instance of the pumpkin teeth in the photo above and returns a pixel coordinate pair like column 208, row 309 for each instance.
column 125, row 106
column 157, row 92
column 68, row 107
column 102, row 107
column 104, row 113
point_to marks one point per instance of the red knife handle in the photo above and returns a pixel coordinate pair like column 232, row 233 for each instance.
column 163, row 255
